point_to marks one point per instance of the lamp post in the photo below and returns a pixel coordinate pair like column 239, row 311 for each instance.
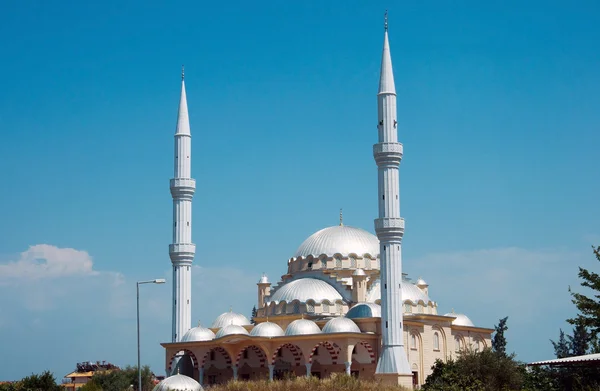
column 157, row 281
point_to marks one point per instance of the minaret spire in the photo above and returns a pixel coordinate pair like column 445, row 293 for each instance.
column 392, row 366
column 182, row 249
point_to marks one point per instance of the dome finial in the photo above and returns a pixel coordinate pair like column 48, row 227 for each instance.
column 385, row 24
column 341, row 218
column 199, row 324
column 230, row 308
column 182, row 72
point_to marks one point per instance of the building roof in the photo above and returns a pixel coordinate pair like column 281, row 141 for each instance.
column 364, row 310
column 232, row 329
column 267, row 329
column 228, row 318
column 198, row 334
column 302, row 327
column 178, row 383
column 341, row 325
column 588, row 359
column 339, row 239
column 460, row 320
column 304, row 289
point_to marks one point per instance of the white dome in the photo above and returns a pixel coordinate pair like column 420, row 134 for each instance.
column 229, row 318
column 340, row 325
column 461, row 320
column 410, row 292
column 178, row 383
column 302, row 327
column 304, row 289
column 267, row 329
column 359, row 272
column 232, row 329
column 339, row 239
column 421, row 282
column 364, row 310
column 264, row 279
column 198, row 334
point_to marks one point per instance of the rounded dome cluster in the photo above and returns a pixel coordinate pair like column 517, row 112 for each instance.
column 267, row 329
column 364, row 310
column 232, row 329
column 410, row 292
column 340, row 239
column 340, row 325
column 198, row 334
column 304, row 289
column 229, row 318
column 302, row 327
column 178, row 383
column 460, row 320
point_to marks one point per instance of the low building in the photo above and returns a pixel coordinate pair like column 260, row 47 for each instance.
column 84, row 372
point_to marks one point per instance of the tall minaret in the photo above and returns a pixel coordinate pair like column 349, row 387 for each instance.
column 182, row 250
column 393, row 362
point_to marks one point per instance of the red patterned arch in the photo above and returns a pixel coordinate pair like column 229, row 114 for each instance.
column 259, row 352
column 185, row 351
column 220, row 350
column 369, row 349
column 296, row 352
column 333, row 352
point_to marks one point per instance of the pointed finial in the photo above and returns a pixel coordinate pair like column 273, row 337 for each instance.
column 183, row 69
column 385, row 26
column 230, row 308
column 199, row 324
column 178, row 370
column 341, row 218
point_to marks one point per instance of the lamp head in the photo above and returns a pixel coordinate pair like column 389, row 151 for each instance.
column 159, row 281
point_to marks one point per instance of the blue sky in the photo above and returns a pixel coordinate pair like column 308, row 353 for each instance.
column 498, row 113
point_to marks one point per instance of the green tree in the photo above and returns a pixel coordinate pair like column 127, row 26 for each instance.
column 43, row 382
column 254, row 313
column 499, row 340
column 562, row 348
column 119, row 380
column 589, row 307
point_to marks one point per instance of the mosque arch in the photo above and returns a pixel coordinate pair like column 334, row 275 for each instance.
column 288, row 351
column 316, row 352
column 259, row 353
column 184, row 352
column 363, row 353
column 442, row 344
column 216, row 355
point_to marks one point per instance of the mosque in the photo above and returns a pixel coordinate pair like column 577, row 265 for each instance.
column 343, row 305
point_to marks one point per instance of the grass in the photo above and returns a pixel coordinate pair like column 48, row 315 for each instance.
column 337, row 382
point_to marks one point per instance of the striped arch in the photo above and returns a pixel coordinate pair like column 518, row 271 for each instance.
column 333, row 352
column 369, row 349
column 259, row 352
column 296, row 352
column 220, row 350
column 185, row 351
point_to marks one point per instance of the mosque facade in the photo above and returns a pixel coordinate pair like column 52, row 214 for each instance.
column 343, row 306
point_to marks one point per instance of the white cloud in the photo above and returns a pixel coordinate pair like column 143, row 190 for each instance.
column 44, row 261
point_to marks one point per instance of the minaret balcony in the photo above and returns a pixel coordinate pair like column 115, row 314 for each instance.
column 182, row 187
column 388, row 153
column 182, row 251
column 389, row 227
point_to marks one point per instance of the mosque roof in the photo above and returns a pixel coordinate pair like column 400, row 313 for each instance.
column 302, row 327
column 340, row 325
column 410, row 292
column 340, row 239
column 267, row 329
column 460, row 319
column 198, row 334
column 231, row 329
column 304, row 289
column 364, row 310
column 229, row 318
column 178, row 382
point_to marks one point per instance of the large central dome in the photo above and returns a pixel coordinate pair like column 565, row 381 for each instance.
column 339, row 239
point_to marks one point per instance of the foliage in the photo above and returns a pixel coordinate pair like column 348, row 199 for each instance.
column 119, row 380
column 43, row 382
column 562, row 347
column 499, row 340
column 589, row 307
column 337, row 382
column 254, row 313
column 540, row 379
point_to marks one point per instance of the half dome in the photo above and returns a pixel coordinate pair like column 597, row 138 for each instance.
column 229, row 318
column 340, row 239
column 340, row 325
column 267, row 329
column 304, row 289
column 198, row 334
column 178, row 383
column 232, row 329
column 460, row 320
column 364, row 310
column 302, row 327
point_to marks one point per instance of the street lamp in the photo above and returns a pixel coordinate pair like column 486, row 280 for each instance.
column 157, row 281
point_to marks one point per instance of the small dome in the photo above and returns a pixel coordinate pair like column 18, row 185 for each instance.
column 229, row 318
column 304, row 289
column 232, row 329
column 364, row 310
column 359, row 272
column 198, row 334
column 264, row 279
column 267, row 329
column 340, row 325
column 302, row 327
column 178, row 383
column 421, row 282
column 339, row 239
column 409, row 292
column 460, row 320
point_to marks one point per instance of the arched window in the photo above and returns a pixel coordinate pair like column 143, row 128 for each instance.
column 457, row 344
column 310, row 307
column 325, row 306
column 407, row 307
column 413, row 341
column 352, row 263
column 477, row 345
column 420, row 308
column 338, row 307
column 338, row 262
column 436, row 341
column 296, row 307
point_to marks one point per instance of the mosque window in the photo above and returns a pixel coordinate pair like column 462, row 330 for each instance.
column 420, row 308
column 457, row 344
column 316, row 351
column 325, row 306
column 407, row 307
column 353, row 262
column 245, row 354
column 310, row 307
column 212, row 355
column 436, row 341
column 477, row 345
column 296, row 307
column 338, row 263
column 338, row 308
column 413, row 341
